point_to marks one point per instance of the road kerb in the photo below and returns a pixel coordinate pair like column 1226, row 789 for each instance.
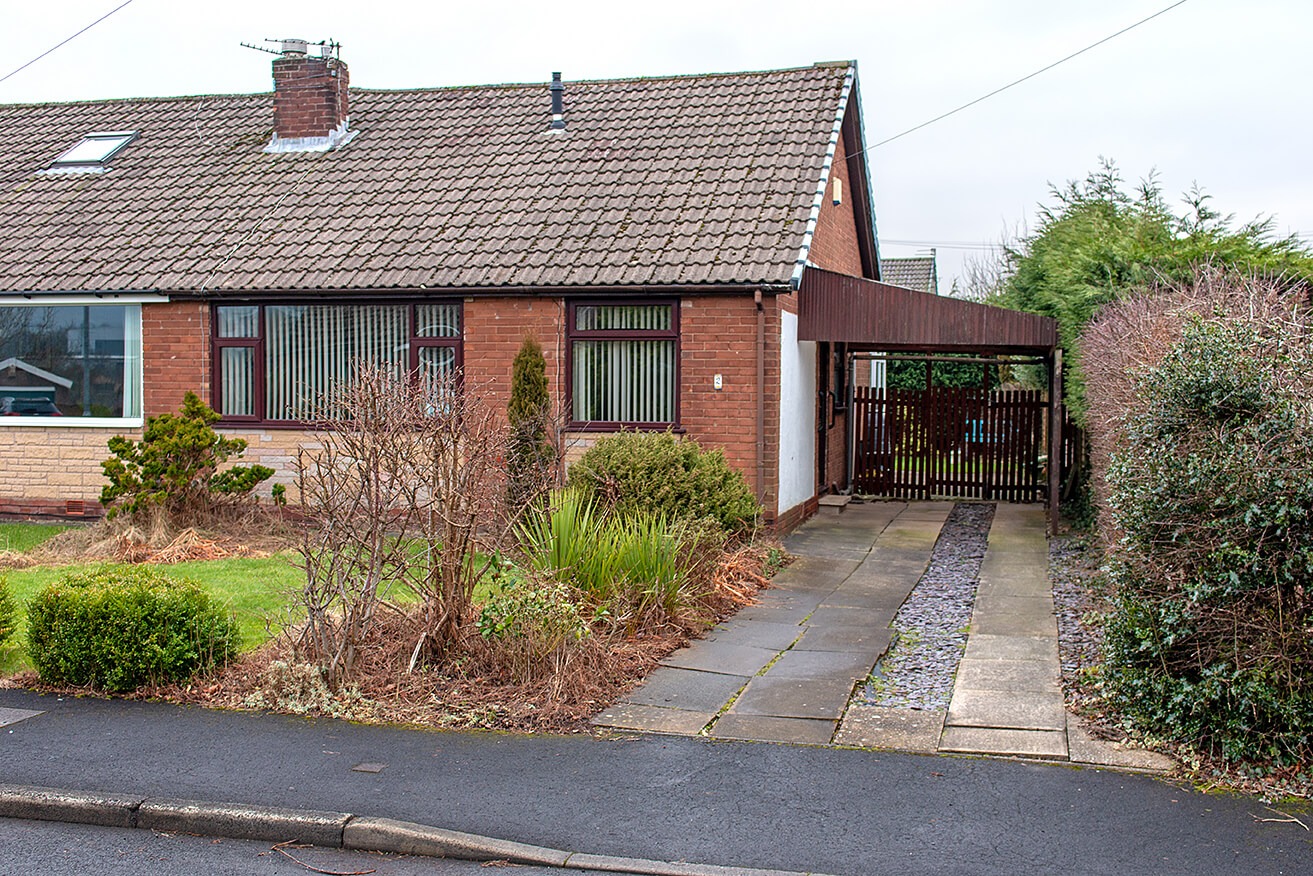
column 77, row 807
column 326, row 829
column 244, row 822
column 407, row 838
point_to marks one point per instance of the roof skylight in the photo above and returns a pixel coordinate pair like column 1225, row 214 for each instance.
column 94, row 150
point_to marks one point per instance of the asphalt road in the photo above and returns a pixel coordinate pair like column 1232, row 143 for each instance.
column 752, row 805
column 53, row 849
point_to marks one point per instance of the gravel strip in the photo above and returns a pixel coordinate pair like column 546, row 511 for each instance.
column 930, row 630
column 1074, row 571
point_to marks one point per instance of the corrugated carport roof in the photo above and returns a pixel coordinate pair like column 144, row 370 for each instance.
column 866, row 314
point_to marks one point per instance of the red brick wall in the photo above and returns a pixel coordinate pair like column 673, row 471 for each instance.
column 308, row 100
column 495, row 328
column 175, row 350
column 834, row 245
column 835, row 248
column 718, row 335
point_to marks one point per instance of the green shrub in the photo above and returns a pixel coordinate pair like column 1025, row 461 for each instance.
column 658, row 472
column 1211, row 497
column 118, row 629
column 175, row 465
column 8, row 611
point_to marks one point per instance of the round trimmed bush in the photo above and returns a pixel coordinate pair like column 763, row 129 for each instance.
column 8, row 611
column 118, row 629
column 662, row 473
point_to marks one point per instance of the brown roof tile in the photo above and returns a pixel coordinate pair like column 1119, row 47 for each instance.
column 698, row 179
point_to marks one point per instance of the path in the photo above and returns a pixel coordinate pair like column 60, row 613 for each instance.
column 785, row 670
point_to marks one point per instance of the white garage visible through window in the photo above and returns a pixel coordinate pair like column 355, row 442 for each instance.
column 70, row 361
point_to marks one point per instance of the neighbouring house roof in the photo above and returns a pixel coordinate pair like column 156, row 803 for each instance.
column 917, row 273
column 666, row 181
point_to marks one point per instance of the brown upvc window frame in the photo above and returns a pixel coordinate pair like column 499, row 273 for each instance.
column 671, row 334
column 415, row 342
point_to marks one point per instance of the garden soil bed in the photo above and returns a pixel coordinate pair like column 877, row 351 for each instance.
column 467, row 690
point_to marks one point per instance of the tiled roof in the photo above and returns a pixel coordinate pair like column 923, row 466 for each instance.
column 685, row 180
column 911, row 273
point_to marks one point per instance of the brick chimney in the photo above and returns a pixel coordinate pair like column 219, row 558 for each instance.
column 310, row 100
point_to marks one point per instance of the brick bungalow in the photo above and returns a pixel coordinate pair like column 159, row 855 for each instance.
column 651, row 234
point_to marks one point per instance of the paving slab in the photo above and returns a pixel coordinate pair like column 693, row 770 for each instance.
column 847, row 615
column 866, row 726
column 984, row 646
column 758, row 633
column 1085, row 748
column 859, row 638
column 726, row 658
column 13, row 716
column 793, row 613
column 1004, row 709
column 1048, row 744
column 823, row 665
column 1030, row 607
column 1018, row 626
column 879, row 601
column 692, row 689
column 794, row 697
column 768, row 728
column 1020, row 676
column 653, row 719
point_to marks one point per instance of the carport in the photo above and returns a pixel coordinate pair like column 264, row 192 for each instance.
column 864, row 317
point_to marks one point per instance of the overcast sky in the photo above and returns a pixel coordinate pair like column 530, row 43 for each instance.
column 1213, row 91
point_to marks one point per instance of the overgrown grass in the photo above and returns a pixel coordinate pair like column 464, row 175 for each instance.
column 22, row 536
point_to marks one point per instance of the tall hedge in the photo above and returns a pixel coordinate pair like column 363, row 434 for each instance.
column 1210, row 510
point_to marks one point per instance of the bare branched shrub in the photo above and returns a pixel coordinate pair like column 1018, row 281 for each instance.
column 354, row 487
column 456, row 504
column 406, row 490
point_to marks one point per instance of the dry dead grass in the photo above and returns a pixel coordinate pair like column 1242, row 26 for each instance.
column 254, row 532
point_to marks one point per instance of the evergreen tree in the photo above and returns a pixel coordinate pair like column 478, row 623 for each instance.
column 529, row 466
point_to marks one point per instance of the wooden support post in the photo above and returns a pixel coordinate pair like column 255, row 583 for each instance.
column 1055, row 439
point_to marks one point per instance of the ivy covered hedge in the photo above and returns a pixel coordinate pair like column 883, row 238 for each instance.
column 1209, row 516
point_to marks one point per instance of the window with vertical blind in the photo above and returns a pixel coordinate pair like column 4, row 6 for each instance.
column 280, row 362
column 624, row 364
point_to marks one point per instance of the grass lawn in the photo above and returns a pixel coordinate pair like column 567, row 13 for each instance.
column 255, row 590
column 19, row 537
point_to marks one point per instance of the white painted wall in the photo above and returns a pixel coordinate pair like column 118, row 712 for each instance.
column 797, row 415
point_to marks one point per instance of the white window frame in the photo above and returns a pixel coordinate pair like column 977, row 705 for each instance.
column 134, row 303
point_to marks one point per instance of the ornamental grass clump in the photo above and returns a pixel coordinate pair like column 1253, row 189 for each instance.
column 1209, row 524
column 636, row 567
column 119, row 629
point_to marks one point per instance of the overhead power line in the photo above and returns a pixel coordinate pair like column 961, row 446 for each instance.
column 1000, row 90
column 18, row 70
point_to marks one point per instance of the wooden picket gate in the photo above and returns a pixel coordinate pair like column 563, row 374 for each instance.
column 952, row 443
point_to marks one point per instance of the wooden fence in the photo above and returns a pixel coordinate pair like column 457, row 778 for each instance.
column 952, row 443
